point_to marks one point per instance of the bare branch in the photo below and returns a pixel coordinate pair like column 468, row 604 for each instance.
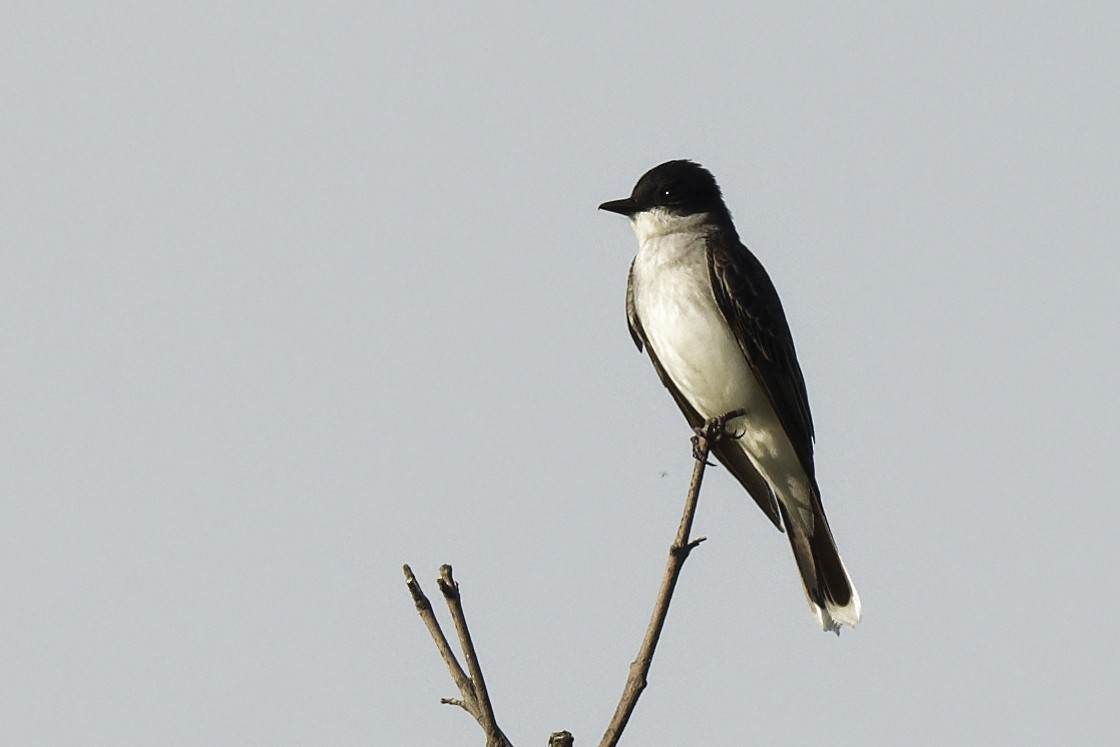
column 678, row 553
column 476, row 700
column 472, row 686
column 424, row 607
column 485, row 712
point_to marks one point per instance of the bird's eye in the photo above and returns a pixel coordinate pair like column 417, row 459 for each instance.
column 670, row 194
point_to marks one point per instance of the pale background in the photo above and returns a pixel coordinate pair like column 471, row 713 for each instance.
column 294, row 293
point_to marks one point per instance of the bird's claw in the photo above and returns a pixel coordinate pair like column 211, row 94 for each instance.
column 716, row 428
column 713, row 430
column 697, row 454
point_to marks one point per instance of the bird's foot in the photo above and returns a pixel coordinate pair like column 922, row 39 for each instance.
column 713, row 430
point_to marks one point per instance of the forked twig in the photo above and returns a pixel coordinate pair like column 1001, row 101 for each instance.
column 472, row 685
column 476, row 700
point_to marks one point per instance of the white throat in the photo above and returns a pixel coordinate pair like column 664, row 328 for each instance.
column 657, row 223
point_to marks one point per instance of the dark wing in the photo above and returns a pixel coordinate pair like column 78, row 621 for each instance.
column 732, row 457
column 632, row 321
column 750, row 303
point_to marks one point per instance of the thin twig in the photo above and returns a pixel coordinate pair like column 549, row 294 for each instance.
column 678, row 553
column 455, row 702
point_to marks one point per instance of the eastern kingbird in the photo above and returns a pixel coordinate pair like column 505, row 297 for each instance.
column 705, row 310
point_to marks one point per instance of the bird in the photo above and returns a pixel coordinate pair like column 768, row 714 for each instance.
column 704, row 309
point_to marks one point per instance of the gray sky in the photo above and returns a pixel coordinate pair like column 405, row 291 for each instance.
column 296, row 293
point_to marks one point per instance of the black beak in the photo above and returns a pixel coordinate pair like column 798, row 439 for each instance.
column 625, row 206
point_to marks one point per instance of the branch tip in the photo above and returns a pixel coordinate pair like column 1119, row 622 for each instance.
column 418, row 596
column 455, row 702
column 447, row 583
column 687, row 548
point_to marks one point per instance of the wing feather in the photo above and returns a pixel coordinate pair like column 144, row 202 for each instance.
column 750, row 303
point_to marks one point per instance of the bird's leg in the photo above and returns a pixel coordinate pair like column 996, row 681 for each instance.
column 713, row 430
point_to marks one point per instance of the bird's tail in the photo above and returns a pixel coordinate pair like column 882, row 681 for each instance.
column 832, row 595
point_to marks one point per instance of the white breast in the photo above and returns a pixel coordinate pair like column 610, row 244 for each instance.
column 682, row 323
column 686, row 330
